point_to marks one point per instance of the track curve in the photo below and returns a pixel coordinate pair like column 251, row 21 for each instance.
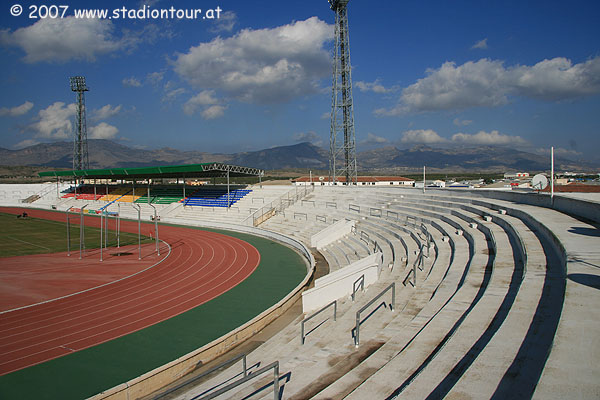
column 202, row 265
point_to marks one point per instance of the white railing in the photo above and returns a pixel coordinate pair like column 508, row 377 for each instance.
column 277, row 205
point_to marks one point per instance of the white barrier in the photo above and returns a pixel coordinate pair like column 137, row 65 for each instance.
column 340, row 283
column 332, row 233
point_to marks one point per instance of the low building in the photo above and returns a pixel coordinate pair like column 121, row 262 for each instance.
column 361, row 181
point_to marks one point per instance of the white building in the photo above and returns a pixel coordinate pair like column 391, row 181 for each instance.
column 361, row 181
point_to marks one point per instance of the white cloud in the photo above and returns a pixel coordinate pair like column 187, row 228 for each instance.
column 373, row 139
column 173, row 94
column 16, row 111
column 213, row 112
column 103, row 131
column 263, row 66
column 425, row 136
column 131, row 82
column 54, row 122
column 488, row 83
column 375, row 87
column 462, row 122
column 105, row 112
column 481, row 83
column 204, row 98
column 310, row 136
column 64, row 39
column 557, row 79
column 225, row 23
column 493, row 138
column 481, row 44
column 155, row 77
column 25, row 143
column 326, row 115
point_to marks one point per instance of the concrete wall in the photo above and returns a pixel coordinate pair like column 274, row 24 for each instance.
column 332, row 233
column 340, row 283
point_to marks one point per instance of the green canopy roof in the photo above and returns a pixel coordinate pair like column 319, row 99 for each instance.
column 204, row 170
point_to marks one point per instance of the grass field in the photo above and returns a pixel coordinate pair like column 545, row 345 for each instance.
column 25, row 236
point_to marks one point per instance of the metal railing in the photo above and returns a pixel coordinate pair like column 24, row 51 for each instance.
column 300, row 214
column 333, row 303
column 375, row 212
column 277, row 206
column 417, row 264
column 391, row 287
column 202, row 375
column 273, row 366
column 361, row 285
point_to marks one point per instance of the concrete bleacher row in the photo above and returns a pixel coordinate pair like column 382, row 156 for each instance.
column 483, row 318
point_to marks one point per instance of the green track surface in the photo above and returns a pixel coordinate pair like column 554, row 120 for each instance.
column 27, row 236
column 91, row 371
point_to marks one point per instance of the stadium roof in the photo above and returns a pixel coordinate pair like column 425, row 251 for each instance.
column 204, row 170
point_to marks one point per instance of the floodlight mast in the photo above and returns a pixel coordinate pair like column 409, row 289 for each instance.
column 342, row 157
column 80, row 145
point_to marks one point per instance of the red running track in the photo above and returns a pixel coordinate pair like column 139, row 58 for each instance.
column 201, row 266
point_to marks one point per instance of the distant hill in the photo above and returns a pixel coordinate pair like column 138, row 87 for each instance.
column 302, row 155
column 482, row 158
column 107, row 154
column 103, row 154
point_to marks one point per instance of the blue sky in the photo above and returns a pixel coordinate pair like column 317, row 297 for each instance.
column 445, row 74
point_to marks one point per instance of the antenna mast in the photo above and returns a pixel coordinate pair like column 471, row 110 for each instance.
column 342, row 156
column 80, row 147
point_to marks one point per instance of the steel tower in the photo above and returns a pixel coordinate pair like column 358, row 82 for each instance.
column 342, row 156
column 80, row 147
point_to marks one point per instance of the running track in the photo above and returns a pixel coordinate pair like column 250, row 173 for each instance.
column 202, row 265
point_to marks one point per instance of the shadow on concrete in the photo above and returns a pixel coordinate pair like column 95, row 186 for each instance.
column 269, row 386
column 586, row 279
column 579, row 230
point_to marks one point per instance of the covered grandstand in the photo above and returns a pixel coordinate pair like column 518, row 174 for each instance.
column 146, row 184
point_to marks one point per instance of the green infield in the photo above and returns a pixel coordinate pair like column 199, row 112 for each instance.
column 26, row 236
column 91, row 371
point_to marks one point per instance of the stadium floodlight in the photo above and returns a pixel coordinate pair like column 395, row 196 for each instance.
column 80, row 145
column 342, row 155
column 78, row 84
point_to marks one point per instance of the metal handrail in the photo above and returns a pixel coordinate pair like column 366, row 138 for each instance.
column 278, row 205
column 373, row 214
column 202, row 375
column 299, row 214
column 334, row 303
column 274, row 366
column 391, row 286
column 361, row 285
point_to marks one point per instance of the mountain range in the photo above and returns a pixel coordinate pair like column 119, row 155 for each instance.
column 108, row 154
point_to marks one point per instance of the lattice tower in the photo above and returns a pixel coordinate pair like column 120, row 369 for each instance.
column 80, row 144
column 342, row 156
